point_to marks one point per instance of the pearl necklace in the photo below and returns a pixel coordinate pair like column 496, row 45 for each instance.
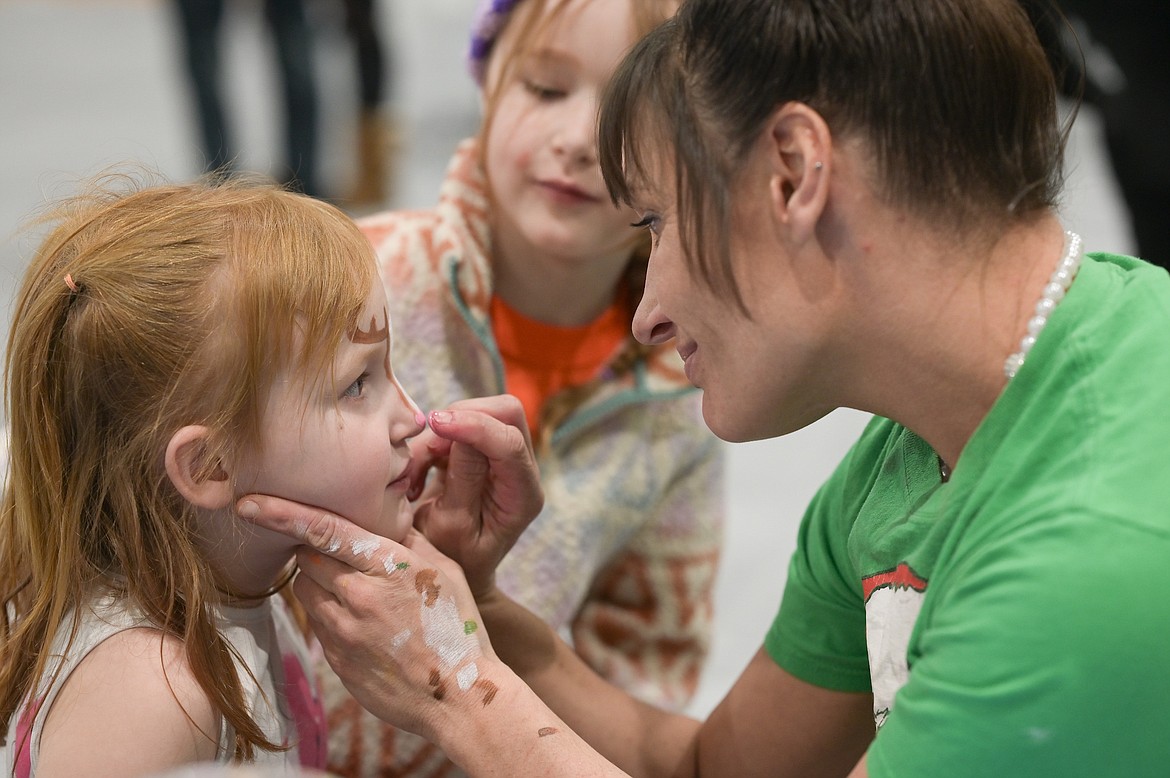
column 1054, row 292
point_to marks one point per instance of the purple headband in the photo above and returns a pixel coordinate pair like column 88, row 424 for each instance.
column 490, row 17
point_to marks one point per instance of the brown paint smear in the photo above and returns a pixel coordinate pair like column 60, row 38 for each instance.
column 424, row 583
column 440, row 687
column 489, row 690
column 546, row 731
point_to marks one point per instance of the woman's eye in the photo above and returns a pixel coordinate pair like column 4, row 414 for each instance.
column 649, row 221
column 541, row 91
column 357, row 388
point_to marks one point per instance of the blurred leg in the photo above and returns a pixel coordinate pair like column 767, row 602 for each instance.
column 199, row 20
column 294, row 52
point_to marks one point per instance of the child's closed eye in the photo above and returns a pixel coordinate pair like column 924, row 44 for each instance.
column 542, row 91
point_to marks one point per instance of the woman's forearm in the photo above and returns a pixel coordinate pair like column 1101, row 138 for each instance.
column 639, row 738
column 513, row 733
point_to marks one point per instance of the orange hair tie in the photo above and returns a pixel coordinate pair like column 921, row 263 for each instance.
column 69, row 283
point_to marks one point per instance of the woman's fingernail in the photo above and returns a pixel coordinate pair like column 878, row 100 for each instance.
column 440, row 417
column 248, row 509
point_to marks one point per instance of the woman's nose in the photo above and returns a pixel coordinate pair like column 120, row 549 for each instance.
column 651, row 326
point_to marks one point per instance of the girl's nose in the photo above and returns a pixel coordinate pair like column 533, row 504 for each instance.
column 576, row 138
column 408, row 420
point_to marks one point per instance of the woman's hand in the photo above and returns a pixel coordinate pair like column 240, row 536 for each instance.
column 487, row 488
column 396, row 621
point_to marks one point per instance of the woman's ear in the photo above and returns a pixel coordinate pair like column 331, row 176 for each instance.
column 800, row 147
column 202, row 483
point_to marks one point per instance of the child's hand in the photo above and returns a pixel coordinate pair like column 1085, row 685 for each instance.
column 489, row 489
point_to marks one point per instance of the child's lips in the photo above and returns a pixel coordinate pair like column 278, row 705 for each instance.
column 402, row 481
column 568, row 190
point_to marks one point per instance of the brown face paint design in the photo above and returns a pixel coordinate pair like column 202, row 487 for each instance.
column 375, row 335
column 424, row 584
column 546, row 731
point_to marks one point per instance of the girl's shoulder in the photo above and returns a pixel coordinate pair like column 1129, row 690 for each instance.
column 127, row 691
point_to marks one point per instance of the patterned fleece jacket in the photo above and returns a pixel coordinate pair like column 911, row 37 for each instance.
column 622, row 559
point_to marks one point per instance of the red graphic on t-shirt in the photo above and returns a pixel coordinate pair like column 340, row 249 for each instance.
column 901, row 577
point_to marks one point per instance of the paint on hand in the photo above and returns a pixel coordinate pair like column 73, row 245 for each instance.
column 469, row 627
column 364, row 548
column 489, row 690
column 333, row 547
column 443, row 633
column 425, row 584
column 466, row 676
column 440, row 688
column 399, row 640
column 389, row 564
column 546, row 731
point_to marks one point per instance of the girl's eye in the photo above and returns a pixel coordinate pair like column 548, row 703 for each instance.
column 542, row 92
column 357, row 388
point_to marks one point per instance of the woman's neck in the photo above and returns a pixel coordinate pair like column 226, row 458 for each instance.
column 953, row 312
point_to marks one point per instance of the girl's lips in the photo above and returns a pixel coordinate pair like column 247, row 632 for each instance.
column 402, row 481
column 563, row 190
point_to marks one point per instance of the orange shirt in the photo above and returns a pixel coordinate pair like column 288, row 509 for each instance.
column 542, row 359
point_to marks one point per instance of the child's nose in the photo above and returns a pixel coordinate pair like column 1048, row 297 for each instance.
column 408, row 419
column 575, row 137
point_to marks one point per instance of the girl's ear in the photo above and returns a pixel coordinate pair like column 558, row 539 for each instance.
column 203, row 484
column 801, row 153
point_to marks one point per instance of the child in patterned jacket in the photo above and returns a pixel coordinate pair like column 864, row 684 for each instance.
column 173, row 347
column 524, row 280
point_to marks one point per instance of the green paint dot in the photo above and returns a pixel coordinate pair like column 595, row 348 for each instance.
column 402, row 565
column 469, row 627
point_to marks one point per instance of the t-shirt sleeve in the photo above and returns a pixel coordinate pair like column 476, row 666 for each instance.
column 819, row 633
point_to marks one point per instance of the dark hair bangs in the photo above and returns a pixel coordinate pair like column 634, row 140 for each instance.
column 647, row 117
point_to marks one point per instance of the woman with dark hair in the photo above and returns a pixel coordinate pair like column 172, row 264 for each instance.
column 853, row 205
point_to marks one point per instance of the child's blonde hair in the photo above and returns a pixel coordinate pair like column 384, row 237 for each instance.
column 534, row 18
column 147, row 309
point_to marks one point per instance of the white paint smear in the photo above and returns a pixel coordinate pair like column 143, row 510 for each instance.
column 466, row 677
column 399, row 640
column 443, row 632
column 364, row 548
column 389, row 563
